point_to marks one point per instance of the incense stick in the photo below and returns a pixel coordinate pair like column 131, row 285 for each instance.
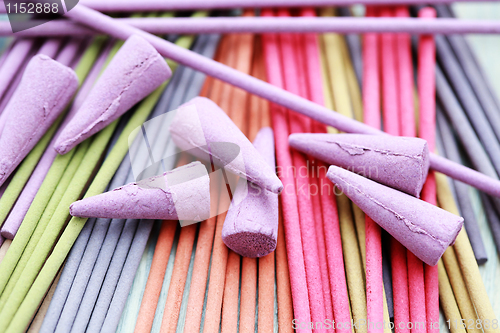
column 468, row 99
column 448, row 303
column 298, row 123
column 268, row 91
column 76, row 224
column 288, row 199
column 344, row 25
column 390, row 93
column 331, row 230
column 462, row 191
column 38, row 207
column 87, row 72
column 156, row 5
column 467, row 261
column 313, row 85
column 373, row 240
column 427, row 130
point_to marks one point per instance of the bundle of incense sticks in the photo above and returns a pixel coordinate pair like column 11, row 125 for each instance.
column 331, row 266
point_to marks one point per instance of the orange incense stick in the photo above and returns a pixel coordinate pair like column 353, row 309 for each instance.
column 237, row 111
column 259, row 117
column 249, row 265
column 285, row 305
column 178, row 279
column 248, row 294
column 230, row 301
column 156, row 276
column 203, row 247
column 220, row 251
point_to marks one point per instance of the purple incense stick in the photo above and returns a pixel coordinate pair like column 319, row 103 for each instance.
column 272, row 93
column 346, row 25
column 162, row 5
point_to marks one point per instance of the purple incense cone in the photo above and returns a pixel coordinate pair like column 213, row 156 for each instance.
column 251, row 225
column 399, row 162
column 203, row 129
column 135, row 71
column 422, row 228
column 180, row 194
column 44, row 91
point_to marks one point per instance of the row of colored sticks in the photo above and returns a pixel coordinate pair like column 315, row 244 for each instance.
column 328, row 263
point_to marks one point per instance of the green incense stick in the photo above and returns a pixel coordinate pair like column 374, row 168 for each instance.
column 48, row 186
column 91, row 157
column 44, row 220
column 29, row 163
column 26, row 309
column 24, row 171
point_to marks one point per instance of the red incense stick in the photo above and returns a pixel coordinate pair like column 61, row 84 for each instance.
column 288, row 196
column 371, row 115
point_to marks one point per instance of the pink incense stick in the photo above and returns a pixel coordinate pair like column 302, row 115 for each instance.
column 426, row 93
column 390, row 92
column 314, row 87
column 161, row 5
column 373, row 241
column 26, row 197
column 289, row 195
column 416, row 289
column 183, row 25
column 299, row 124
column 270, row 92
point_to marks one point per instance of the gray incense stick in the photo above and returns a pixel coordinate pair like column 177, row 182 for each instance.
column 462, row 191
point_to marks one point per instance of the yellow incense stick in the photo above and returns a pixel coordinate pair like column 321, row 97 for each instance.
column 467, row 261
column 447, row 300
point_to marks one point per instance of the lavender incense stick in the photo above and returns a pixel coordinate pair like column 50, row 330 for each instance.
column 159, row 5
column 345, row 25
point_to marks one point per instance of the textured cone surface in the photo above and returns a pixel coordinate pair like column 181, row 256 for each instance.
column 134, row 72
column 182, row 193
column 399, row 162
column 45, row 90
column 422, row 228
column 202, row 128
